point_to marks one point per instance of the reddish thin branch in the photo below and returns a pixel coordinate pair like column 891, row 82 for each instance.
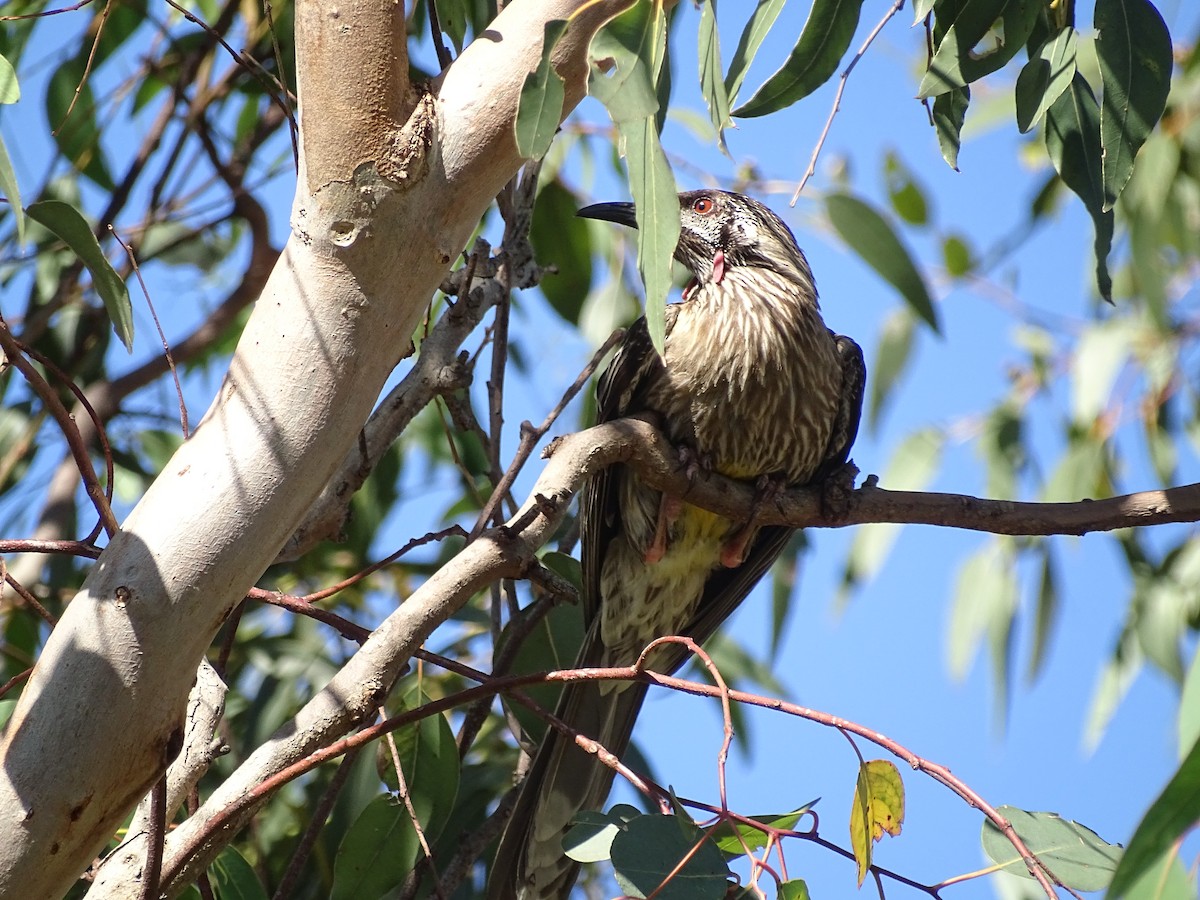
column 39, row 385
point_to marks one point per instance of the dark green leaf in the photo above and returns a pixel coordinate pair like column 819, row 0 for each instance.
column 784, row 574
column 233, row 878
column 870, row 235
column 552, row 644
column 1134, row 50
column 69, row 225
column 949, row 111
column 712, row 83
column 761, row 20
column 959, row 59
column 11, row 191
column 429, row 760
column 77, row 135
column 10, row 88
column 1073, row 852
column 1073, row 142
column 652, row 847
column 794, row 890
column 1044, row 78
column 375, row 854
column 822, row 44
column 540, row 108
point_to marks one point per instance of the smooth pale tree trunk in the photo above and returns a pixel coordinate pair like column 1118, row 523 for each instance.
column 393, row 179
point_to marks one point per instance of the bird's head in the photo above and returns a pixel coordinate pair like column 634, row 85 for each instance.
column 720, row 230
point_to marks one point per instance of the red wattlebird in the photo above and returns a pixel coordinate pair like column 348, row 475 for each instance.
column 751, row 384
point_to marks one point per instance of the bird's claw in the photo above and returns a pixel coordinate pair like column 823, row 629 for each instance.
column 693, row 462
column 767, row 489
column 836, row 490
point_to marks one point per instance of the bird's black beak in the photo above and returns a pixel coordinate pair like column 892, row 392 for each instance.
column 621, row 213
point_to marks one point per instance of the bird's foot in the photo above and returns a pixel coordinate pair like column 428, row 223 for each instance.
column 668, row 511
column 693, row 462
column 767, row 490
column 837, row 489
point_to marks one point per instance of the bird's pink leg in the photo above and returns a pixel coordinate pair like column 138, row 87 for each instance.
column 669, row 509
column 733, row 551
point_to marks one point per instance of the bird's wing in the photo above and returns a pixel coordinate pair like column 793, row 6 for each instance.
column 618, row 393
column 845, row 426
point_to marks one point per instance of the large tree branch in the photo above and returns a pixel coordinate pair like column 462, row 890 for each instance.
column 387, row 196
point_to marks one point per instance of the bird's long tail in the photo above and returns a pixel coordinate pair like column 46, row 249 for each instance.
column 563, row 779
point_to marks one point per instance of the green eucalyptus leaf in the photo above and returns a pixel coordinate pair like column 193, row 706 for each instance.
column 1134, row 50
column 1073, row 852
column 10, row 88
column 648, row 857
column 962, row 54
column 11, row 191
column 233, row 878
column 757, row 27
column 822, row 44
column 71, row 112
column 712, row 83
column 68, row 224
column 874, row 240
column 1073, row 142
column 541, row 104
column 891, row 359
column 949, row 112
column 1044, row 78
column 376, row 853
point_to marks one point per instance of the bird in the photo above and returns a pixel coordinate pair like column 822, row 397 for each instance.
column 750, row 384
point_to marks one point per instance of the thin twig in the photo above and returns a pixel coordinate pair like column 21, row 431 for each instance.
column 406, row 798
column 435, row 31
column 285, row 93
column 530, row 436
column 274, row 91
column 12, row 350
column 97, row 423
column 87, row 68
column 837, row 98
column 46, row 13
column 183, row 414
column 30, row 600
column 14, row 681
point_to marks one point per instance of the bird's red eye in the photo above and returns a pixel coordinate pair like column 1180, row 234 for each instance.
column 702, row 206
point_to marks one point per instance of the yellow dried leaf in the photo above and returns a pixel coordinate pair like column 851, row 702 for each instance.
column 878, row 807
